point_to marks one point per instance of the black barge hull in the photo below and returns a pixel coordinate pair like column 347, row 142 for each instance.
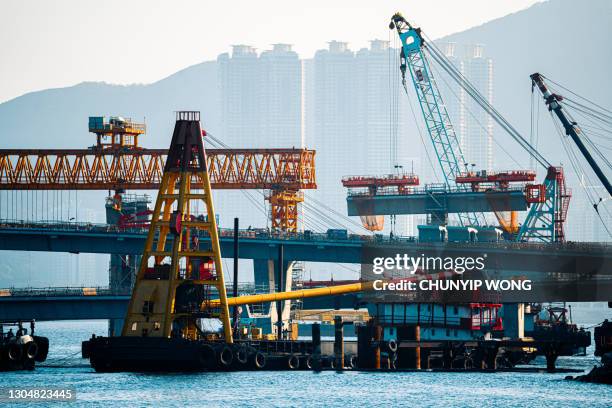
column 140, row 354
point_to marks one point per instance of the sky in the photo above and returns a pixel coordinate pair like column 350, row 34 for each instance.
column 51, row 44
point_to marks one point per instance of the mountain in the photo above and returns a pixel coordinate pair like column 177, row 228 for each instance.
column 565, row 40
column 57, row 118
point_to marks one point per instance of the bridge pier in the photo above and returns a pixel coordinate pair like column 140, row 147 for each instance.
column 114, row 327
column 267, row 275
column 123, row 267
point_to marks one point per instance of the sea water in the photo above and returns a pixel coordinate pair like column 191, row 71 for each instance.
column 65, row 368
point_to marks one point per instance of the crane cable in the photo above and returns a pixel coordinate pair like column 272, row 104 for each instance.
column 462, row 81
column 578, row 169
column 474, row 116
column 218, row 143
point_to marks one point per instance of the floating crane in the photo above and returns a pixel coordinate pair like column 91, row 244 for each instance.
column 550, row 201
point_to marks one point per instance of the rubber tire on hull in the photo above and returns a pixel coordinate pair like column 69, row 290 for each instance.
column 207, row 357
column 306, row 362
column 293, row 362
column 225, row 357
column 14, row 352
column 242, row 355
column 31, row 350
column 43, row 348
column 259, row 360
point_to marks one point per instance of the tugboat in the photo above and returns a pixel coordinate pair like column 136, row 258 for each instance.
column 20, row 349
column 551, row 322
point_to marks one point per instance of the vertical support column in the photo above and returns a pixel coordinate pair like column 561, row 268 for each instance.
column 378, row 340
column 316, row 346
column 339, row 342
column 417, row 349
column 235, row 283
column 279, row 305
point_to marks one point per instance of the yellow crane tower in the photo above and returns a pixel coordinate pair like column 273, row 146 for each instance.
column 178, row 266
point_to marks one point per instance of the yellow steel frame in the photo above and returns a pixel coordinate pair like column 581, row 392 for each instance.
column 151, row 311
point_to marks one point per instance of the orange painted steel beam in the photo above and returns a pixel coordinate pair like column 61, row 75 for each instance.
column 142, row 169
column 284, row 209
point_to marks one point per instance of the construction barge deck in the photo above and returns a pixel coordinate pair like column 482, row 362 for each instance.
column 368, row 353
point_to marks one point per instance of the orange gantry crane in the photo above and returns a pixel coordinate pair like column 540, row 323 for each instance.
column 118, row 163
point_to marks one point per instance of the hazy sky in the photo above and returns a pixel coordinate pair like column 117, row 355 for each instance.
column 47, row 44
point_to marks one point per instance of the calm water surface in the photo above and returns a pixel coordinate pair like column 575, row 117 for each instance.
column 65, row 368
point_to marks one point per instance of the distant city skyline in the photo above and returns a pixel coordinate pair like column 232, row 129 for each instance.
column 341, row 100
column 473, row 125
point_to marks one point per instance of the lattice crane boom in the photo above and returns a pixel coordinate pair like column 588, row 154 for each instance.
column 443, row 137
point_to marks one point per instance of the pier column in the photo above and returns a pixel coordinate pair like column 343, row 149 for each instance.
column 316, row 347
column 417, row 349
column 339, row 342
column 265, row 272
column 114, row 327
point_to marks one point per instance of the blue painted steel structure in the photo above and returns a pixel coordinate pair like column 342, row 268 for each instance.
column 297, row 247
column 436, row 201
column 540, row 222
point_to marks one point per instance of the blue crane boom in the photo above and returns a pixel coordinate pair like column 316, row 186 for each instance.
column 545, row 219
column 444, row 139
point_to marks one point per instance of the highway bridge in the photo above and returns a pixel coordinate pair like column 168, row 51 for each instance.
column 258, row 244
column 504, row 259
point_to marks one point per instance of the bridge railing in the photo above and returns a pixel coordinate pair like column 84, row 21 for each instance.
column 59, row 291
column 266, row 234
column 429, row 189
